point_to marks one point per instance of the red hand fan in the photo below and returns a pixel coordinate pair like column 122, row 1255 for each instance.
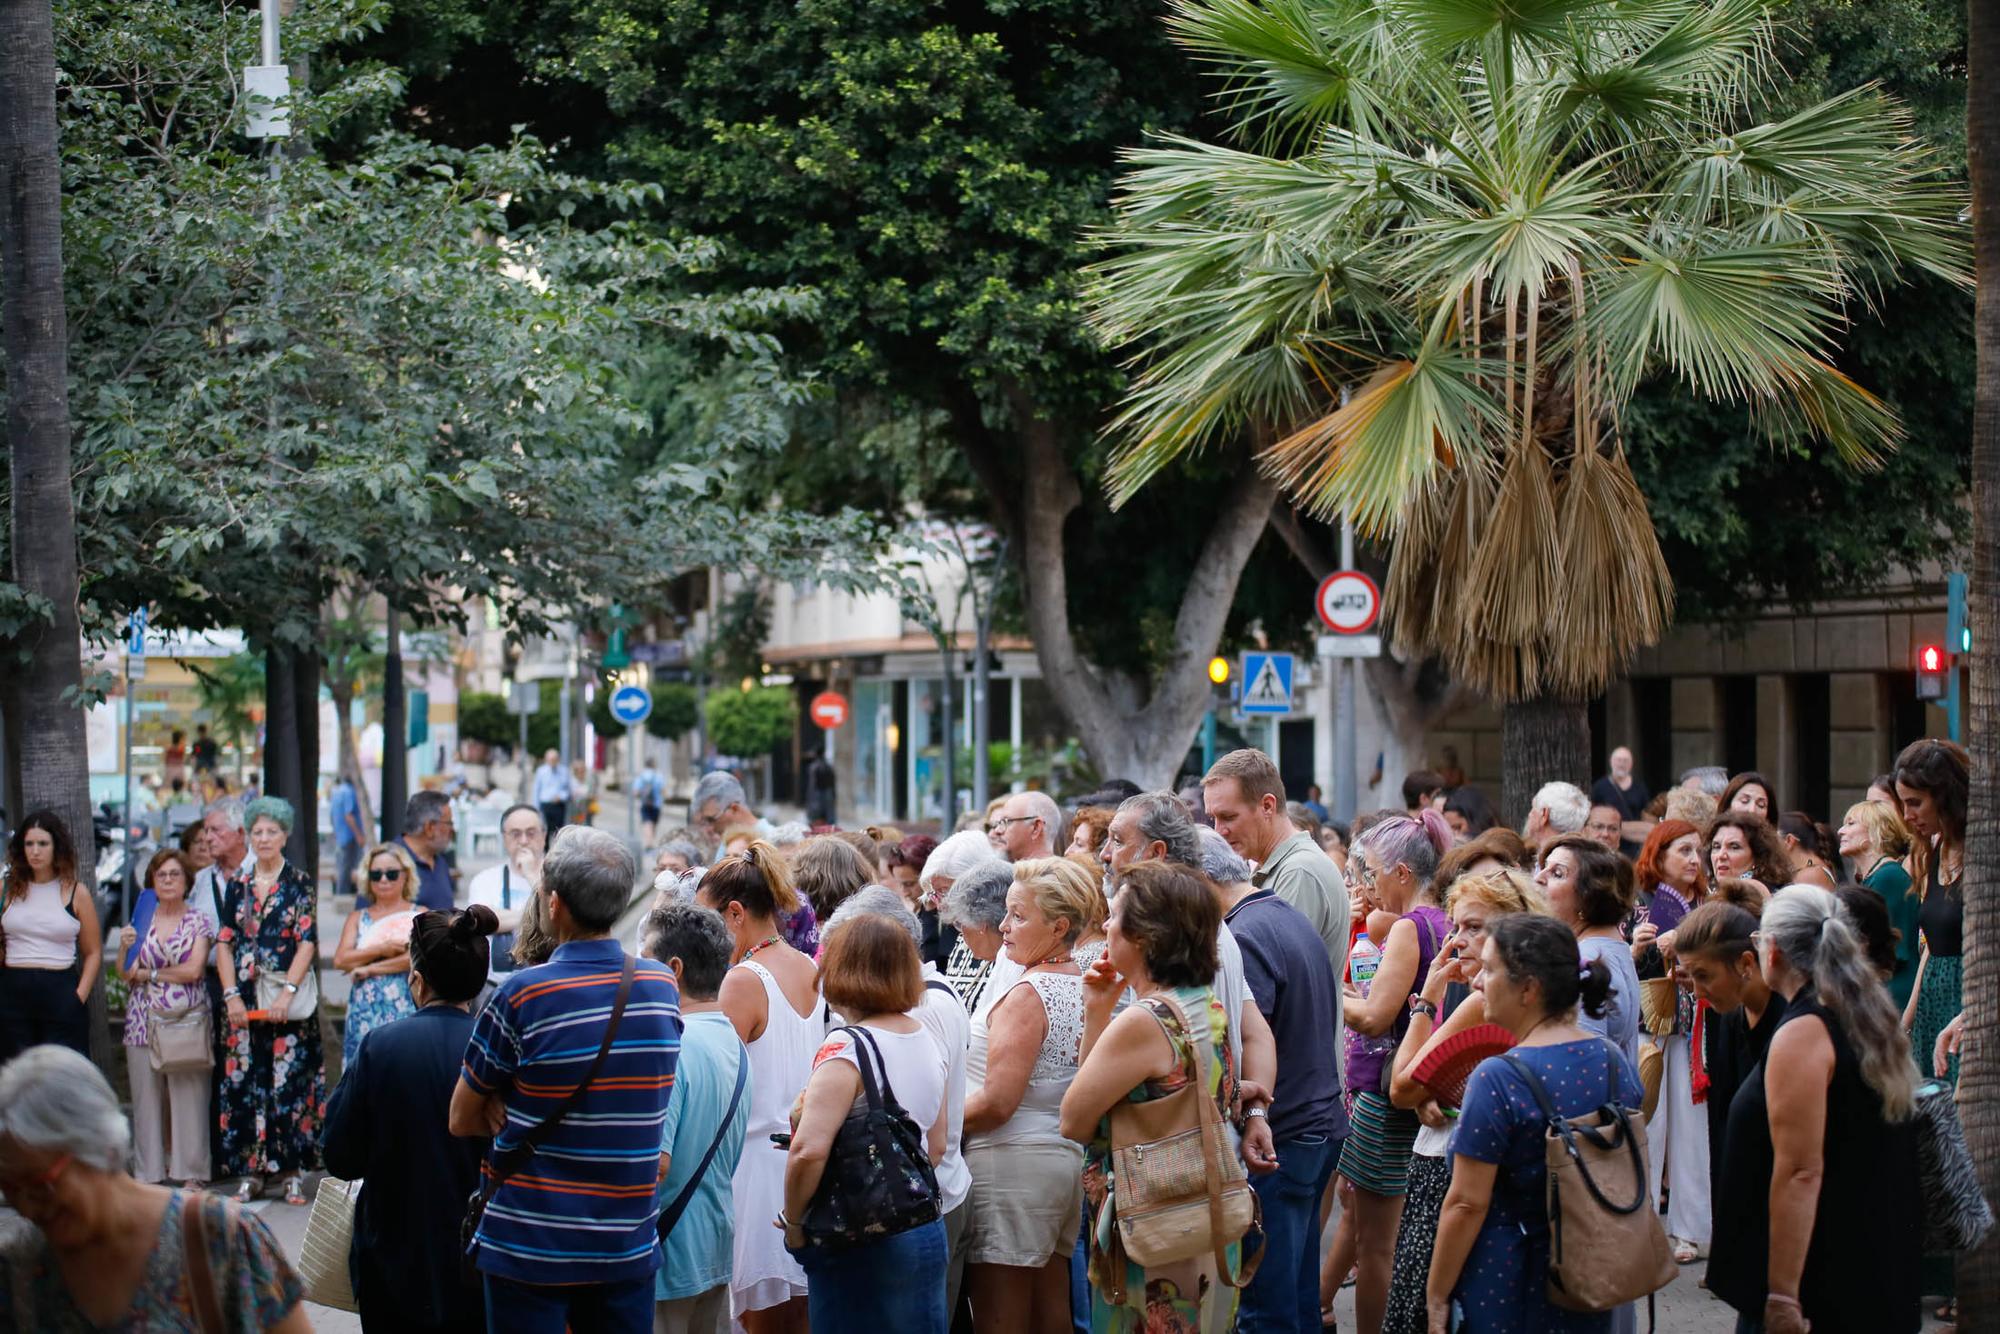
column 1452, row 1062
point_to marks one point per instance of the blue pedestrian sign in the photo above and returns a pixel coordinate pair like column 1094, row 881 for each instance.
column 631, row 704
column 1267, row 683
column 135, row 633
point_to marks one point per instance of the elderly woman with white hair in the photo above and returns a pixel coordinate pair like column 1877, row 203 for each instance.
column 969, row 963
column 945, row 1019
column 106, row 1251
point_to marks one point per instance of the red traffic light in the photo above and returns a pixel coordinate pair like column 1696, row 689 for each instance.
column 1933, row 663
column 1930, row 658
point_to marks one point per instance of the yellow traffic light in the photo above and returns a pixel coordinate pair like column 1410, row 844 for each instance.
column 1218, row 670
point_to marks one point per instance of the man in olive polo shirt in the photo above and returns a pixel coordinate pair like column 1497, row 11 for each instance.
column 1245, row 797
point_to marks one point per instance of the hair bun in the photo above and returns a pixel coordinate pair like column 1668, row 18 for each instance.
column 477, row 920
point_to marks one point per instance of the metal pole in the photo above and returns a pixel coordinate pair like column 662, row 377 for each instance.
column 1344, row 799
column 632, row 786
column 125, row 815
column 1208, row 736
column 981, row 712
column 521, row 754
column 950, row 748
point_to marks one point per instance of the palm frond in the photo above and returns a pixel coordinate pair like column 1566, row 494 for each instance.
column 1286, row 66
column 1444, row 27
column 1822, row 402
column 1620, row 594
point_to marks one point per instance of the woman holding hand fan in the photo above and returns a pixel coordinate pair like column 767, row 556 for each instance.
column 1444, row 1042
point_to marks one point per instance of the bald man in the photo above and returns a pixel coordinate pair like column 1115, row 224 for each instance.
column 1026, row 825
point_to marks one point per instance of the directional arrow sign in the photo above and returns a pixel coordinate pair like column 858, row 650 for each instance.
column 631, row 704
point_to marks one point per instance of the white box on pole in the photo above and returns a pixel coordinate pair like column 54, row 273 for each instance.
column 1350, row 646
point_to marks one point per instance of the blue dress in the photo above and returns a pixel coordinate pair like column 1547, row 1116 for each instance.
column 1504, row 1284
column 374, row 1001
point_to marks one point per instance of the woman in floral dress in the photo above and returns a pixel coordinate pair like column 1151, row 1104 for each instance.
column 374, row 949
column 1159, row 941
column 272, row 1087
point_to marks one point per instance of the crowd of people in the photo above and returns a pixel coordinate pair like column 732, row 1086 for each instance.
column 858, row 1080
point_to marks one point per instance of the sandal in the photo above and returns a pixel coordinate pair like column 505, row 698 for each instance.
column 294, row 1191
column 1685, row 1252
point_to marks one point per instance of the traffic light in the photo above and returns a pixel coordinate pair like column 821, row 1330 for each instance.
column 1218, row 671
column 1933, row 667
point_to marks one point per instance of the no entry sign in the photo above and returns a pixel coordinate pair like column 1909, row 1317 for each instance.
column 1348, row 602
column 829, row 710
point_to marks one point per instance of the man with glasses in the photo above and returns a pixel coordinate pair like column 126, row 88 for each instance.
column 428, row 833
column 719, row 805
column 1026, row 825
column 505, row 888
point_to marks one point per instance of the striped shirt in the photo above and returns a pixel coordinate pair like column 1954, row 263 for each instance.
column 582, row 1208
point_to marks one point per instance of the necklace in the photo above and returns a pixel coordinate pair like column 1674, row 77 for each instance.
column 765, row 943
column 1061, row 954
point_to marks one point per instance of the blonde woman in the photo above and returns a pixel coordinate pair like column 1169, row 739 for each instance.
column 1027, row 1186
column 1472, row 902
column 1874, row 837
column 374, row 948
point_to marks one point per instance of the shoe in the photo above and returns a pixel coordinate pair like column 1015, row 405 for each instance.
column 1685, row 1252
column 246, row 1191
column 294, row 1191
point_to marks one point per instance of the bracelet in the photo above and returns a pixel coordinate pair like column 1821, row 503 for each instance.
column 1260, row 1113
column 784, row 1222
column 232, row 993
column 291, row 986
column 1418, row 1005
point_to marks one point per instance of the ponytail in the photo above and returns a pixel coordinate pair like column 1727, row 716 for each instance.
column 757, row 877
column 1820, row 941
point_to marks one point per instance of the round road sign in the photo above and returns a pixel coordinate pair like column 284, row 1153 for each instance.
column 631, row 704
column 829, row 710
column 1348, row 602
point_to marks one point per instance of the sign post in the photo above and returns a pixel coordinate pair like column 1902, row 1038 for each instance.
column 630, row 705
column 135, row 647
column 1348, row 603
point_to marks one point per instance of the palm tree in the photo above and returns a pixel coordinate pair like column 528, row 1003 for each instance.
column 1448, row 241
column 1979, row 1079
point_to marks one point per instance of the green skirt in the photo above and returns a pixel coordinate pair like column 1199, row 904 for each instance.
column 1939, row 1000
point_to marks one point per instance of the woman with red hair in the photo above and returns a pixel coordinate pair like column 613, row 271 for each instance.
column 1670, row 864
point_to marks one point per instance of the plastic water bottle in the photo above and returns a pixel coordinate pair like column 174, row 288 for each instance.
column 1363, row 961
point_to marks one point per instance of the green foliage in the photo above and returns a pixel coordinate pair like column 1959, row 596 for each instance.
column 599, row 711
column 751, row 723
column 735, row 647
column 231, row 692
column 484, row 717
column 676, row 710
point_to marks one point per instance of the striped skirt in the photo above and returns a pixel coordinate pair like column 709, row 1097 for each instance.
column 1376, row 1153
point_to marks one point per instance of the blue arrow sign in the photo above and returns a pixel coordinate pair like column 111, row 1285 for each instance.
column 631, row 704
column 1267, row 683
column 135, row 633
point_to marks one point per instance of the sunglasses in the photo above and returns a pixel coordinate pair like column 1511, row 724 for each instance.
column 385, row 875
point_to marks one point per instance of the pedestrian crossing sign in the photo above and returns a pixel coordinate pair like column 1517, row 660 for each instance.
column 1267, row 683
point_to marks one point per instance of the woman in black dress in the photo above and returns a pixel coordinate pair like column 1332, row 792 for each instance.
column 1819, row 1218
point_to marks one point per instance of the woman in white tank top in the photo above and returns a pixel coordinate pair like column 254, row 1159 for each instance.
column 771, row 998
column 1027, row 1193
column 49, row 941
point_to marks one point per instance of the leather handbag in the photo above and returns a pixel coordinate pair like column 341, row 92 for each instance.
column 329, row 1237
column 282, row 1007
column 1606, row 1247
column 878, row 1181
column 180, row 1042
column 1179, row 1191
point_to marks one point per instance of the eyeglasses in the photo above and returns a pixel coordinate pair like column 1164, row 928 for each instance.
column 1006, row 820
column 396, row 874
column 1359, row 874
column 37, row 1192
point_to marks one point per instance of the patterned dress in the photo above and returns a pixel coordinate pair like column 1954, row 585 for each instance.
column 271, row 1089
column 157, row 952
column 1188, row 1297
column 254, row 1282
column 381, row 999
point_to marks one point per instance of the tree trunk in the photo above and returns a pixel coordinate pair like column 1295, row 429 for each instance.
column 45, row 733
column 281, row 743
column 1542, row 740
column 1979, row 1069
column 1145, row 743
column 305, row 690
column 395, row 732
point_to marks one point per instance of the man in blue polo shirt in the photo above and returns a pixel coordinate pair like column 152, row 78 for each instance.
column 428, row 833
column 1288, row 972
column 568, row 1241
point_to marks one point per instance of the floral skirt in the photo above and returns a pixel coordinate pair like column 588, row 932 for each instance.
column 1938, row 1003
column 1430, row 1179
column 270, row 1098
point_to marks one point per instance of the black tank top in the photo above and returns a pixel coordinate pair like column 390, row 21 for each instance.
column 1943, row 915
column 1861, row 1267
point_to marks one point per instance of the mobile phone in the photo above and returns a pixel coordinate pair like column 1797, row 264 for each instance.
column 783, row 1140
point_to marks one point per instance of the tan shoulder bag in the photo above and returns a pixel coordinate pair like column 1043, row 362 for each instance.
column 1178, row 1190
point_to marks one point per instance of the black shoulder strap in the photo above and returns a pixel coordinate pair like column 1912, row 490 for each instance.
column 1535, row 1087
column 672, row 1213
column 513, row 1160
column 939, row 984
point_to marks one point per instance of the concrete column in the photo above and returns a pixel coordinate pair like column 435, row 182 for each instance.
column 1696, row 702
column 1621, row 721
column 1777, row 735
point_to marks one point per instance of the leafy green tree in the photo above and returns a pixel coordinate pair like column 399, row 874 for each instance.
column 676, row 709
column 607, row 726
column 484, row 717
column 751, row 723
column 1490, row 226
column 232, row 693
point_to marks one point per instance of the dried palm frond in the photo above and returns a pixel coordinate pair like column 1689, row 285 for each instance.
column 1620, row 595
column 1514, row 585
column 1416, row 580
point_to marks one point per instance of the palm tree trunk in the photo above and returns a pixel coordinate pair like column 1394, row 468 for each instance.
column 1979, row 1078
column 45, row 731
column 1542, row 740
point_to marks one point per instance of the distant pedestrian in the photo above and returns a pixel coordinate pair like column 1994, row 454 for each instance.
column 387, row 1126
column 553, row 791
column 649, row 789
column 343, row 809
column 509, row 887
column 207, row 755
column 567, row 1238
column 821, row 800
column 706, row 1121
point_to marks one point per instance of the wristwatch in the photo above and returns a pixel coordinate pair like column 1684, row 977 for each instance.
column 291, row 987
column 1418, row 1005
